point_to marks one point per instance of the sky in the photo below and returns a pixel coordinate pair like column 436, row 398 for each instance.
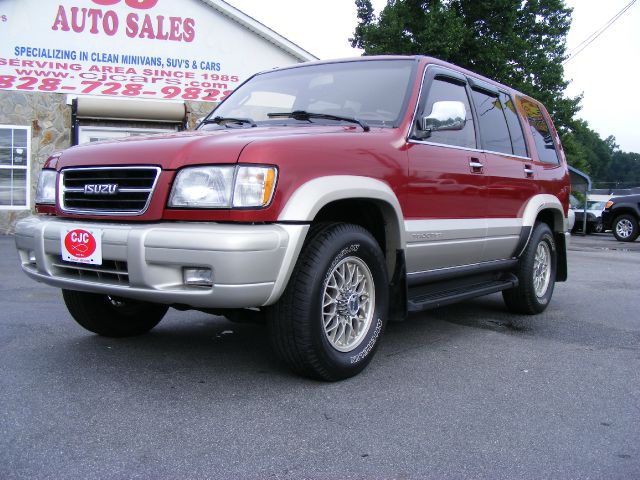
column 606, row 72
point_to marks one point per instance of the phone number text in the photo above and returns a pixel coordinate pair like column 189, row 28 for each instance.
column 96, row 87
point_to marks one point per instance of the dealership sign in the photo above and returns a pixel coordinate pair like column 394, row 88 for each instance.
column 161, row 49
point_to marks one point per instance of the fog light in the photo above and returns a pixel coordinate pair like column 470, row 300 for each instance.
column 32, row 257
column 198, row 277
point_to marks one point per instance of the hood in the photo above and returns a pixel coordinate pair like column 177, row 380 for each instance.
column 175, row 150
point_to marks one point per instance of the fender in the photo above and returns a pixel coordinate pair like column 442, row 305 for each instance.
column 534, row 206
column 537, row 203
column 619, row 208
column 309, row 198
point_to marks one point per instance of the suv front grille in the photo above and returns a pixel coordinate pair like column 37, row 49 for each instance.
column 107, row 190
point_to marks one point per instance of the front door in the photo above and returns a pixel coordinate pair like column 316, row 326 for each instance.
column 446, row 199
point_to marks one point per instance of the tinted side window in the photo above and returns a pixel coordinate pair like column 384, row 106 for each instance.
column 541, row 133
column 493, row 126
column 443, row 90
column 515, row 127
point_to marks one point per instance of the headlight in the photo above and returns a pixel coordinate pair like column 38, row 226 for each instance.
column 223, row 187
column 254, row 186
column 203, row 187
column 46, row 191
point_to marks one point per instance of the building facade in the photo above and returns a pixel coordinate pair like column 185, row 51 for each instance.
column 76, row 71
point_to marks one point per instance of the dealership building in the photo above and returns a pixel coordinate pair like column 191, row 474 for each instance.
column 77, row 71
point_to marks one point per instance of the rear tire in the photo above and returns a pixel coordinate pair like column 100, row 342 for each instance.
column 329, row 320
column 536, row 274
column 112, row 316
column 625, row 228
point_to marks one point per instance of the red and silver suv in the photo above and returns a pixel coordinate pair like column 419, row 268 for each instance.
column 324, row 198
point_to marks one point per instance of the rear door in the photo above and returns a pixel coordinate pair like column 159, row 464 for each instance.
column 508, row 169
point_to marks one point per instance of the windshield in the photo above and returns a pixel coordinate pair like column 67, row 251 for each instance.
column 595, row 205
column 375, row 91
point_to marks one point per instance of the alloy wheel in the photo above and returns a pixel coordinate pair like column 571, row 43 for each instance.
column 542, row 269
column 348, row 304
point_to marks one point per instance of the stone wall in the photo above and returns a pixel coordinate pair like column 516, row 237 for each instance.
column 197, row 110
column 50, row 119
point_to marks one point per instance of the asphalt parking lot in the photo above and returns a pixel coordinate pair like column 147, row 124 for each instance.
column 466, row 391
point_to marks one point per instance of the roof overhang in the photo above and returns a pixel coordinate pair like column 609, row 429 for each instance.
column 260, row 30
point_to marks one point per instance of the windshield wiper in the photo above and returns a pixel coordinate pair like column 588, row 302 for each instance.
column 304, row 115
column 225, row 120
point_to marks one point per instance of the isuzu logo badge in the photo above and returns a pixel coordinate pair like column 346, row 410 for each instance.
column 101, row 189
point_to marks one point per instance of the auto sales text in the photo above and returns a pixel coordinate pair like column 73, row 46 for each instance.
column 97, row 20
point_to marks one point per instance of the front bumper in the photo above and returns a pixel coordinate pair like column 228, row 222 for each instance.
column 251, row 263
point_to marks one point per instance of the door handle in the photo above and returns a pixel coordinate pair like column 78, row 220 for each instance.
column 475, row 165
column 528, row 171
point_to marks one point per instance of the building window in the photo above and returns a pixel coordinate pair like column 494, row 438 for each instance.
column 15, row 154
column 89, row 134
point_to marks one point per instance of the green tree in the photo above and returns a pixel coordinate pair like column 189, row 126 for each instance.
column 624, row 169
column 587, row 151
column 575, row 152
column 521, row 43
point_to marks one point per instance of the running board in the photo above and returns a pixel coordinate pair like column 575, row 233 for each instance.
column 446, row 297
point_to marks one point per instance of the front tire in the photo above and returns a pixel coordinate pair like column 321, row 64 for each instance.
column 536, row 274
column 329, row 320
column 598, row 227
column 112, row 316
column 625, row 228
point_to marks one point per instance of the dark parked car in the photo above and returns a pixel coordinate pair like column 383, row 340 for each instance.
column 622, row 215
column 594, row 217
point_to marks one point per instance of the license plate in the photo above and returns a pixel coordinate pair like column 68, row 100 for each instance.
column 82, row 245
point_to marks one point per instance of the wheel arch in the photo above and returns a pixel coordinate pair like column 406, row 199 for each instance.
column 363, row 201
column 548, row 209
column 545, row 208
column 625, row 210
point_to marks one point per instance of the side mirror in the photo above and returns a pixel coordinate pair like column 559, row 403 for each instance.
column 447, row 115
